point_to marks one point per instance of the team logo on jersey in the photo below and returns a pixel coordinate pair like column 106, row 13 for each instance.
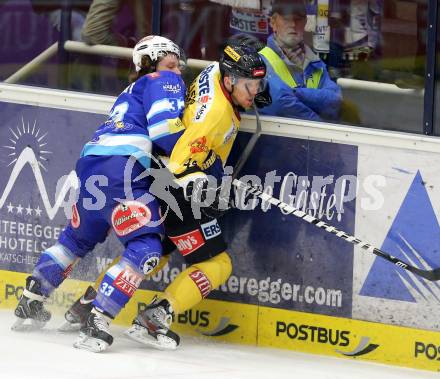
column 149, row 263
column 174, row 88
column 204, row 99
column 233, row 130
column 204, row 93
column 202, row 282
column 75, row 222
column 175, row 125
column 198, row 145
column 204, row 81
column 117, row 126
column 130, row 216
column 189, row 242
column 201, row 112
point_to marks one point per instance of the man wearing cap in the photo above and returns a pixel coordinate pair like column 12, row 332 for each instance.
column 300, row 85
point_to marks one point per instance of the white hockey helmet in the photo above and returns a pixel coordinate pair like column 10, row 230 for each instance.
column 154, row 47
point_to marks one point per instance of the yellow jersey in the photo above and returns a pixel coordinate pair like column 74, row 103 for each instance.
column 211, row 124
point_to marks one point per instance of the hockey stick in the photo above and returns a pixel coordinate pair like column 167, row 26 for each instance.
column 249, row 147
column 432, row 275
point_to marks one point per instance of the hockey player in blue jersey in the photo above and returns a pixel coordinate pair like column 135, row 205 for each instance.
column 145, row 116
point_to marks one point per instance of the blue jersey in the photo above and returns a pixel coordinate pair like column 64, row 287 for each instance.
column 146, row 115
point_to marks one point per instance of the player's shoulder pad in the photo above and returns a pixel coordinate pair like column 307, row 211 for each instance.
column 153, row 75
column 169, row 84
column 164, row 76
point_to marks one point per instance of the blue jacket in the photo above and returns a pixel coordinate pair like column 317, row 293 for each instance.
column 317, row 104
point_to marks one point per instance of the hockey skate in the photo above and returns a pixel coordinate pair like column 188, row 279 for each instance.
column 76, row 315
column 31, row 307
column 94, row 335
column 151, row 327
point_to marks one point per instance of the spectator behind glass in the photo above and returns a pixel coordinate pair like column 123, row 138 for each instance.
column 252, row 17
column 300, row 85
column 198, row 26
column 102, row 26
column 114, row 23
column 354, row 37
column 53, row 11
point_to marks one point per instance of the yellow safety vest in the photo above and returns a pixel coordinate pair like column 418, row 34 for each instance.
column 280, row 68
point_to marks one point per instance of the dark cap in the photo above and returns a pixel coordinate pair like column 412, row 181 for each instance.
column 289, row 7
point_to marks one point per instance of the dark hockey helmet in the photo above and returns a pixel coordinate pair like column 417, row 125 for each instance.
column 246, row 40
column 242, row 61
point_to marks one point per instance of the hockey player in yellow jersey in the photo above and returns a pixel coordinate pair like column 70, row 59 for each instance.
column 212, row 121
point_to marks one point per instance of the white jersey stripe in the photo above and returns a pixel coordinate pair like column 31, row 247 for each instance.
column 158, row 129
column 142, row 142
column 60, row 255
column 159, row 106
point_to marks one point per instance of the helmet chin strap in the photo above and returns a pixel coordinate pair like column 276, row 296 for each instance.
column 233, row 81
column 233, row 98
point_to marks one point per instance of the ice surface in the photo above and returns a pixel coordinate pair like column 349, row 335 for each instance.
column 48, row 354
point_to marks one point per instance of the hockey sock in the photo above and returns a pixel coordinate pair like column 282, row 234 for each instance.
column 118, row 285
column 53, row 266
column 163, row 261
column 140, row 257
column 197, row 281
